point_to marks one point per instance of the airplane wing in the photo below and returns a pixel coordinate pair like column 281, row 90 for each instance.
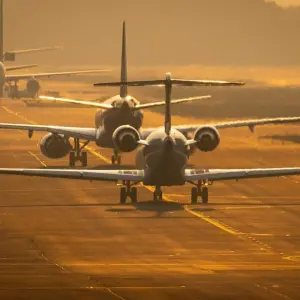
column 71, row 101
column 33, row 50
column 161, row 103
column 230, row 174
column 76, row 132
column 19, row 67
column 251, row 123
column 42, row 75
column 100, row 175
column 230, row 124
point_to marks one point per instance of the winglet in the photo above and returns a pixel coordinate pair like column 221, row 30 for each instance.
column 123, row 88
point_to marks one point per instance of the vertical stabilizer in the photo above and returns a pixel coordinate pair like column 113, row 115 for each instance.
column 123, row 88
column 168, row 89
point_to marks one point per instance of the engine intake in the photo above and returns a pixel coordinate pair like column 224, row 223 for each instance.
column 208, row 138
column 32, row 87
column 55, row 146
column 125, row 138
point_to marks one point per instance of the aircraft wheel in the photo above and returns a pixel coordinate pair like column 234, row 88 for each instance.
column 194, row 195
column 204, row 194
column 157, row 196
column 123, row 195
column 118, row 159
column 133, row 195
column 84, row 159
column 72, row 159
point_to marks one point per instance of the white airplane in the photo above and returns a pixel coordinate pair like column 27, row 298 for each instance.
column 118, row 112
column 165, row 154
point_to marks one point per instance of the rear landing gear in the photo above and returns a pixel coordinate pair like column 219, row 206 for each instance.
column 116, row 158
column 128, row 191
column 77, row 154
column 201, row 190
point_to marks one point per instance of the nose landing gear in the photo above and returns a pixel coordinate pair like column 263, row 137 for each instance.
column 157, row 194
column 116, row 158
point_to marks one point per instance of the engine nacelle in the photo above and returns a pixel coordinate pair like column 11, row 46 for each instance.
column 125, row 138
column 55, row 146
column 208, row 138
column 32, row 87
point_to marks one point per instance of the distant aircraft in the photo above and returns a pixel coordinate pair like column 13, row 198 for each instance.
column 10, row 82
column 121, row 115
column 165, row 158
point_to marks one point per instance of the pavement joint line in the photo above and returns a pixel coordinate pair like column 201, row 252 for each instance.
column 274, row 292
column 38, row 159
column 216, row 223
column 114, row 294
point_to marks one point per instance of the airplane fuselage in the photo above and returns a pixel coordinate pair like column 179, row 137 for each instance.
column 164, row 158
column 122, row 113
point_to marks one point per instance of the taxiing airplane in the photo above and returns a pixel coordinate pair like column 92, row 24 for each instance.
column 117, row 113
column 165, row 154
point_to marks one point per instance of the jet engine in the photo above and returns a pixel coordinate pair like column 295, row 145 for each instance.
column 32, row 87
column 207, row 137
column 125, row 138
column 55, row 146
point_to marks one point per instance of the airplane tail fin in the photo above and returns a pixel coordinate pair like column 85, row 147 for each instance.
column 168, row 94
column 123, row 87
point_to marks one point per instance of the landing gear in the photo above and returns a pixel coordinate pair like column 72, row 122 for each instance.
column 116, row 158
column 201, row 190
column 77, row 154
column 157, row 194
column 128, row 191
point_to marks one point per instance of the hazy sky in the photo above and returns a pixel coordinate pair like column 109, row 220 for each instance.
column 214, row 32
column 288, row 2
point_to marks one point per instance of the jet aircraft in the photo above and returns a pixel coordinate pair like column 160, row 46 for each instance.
column 165, row 159
column 122, row 110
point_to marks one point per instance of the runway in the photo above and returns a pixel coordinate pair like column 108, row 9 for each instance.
column 64, row 239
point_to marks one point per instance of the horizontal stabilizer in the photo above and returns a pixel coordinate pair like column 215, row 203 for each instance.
column 181, row 82
column 80, row 102
column 162, row 103
column 9, row 78
column 13, row 68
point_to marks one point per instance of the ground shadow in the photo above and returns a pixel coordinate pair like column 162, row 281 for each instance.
column 283, row 138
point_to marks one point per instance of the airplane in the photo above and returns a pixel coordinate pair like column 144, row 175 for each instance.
column 120, row 117
column 10, row 82
column 165, row 160
column 32, row 84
